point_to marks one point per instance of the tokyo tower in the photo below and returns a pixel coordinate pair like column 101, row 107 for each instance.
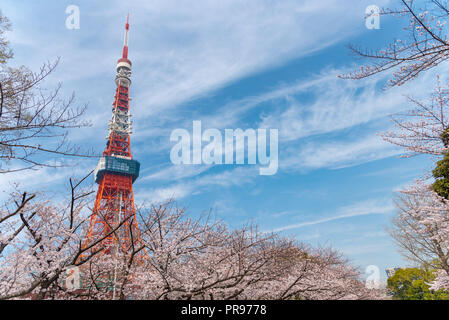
column 116, row 171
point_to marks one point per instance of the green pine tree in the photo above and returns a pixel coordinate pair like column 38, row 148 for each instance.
column 441, row 172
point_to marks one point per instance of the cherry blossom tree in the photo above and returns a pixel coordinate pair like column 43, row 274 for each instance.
column 202, row 259
column 35, row 121
column 41, row 239
column 423, row 45
column 423, row 129
column 421, row 225
column 181, row 258
column 421, row 229
column 441, row 281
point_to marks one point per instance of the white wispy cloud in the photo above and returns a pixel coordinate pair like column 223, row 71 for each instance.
column 164, row 193
column 369, row 207
column 44, row 178
column 181, row 49
column 338, row 154
column 176, row 172
column 336, row 104
column 229, row 178
column 196, row 48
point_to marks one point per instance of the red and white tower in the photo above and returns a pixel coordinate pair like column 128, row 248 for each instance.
column 117, row 170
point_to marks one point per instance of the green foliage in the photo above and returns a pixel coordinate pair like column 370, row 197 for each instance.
column 441, row 172
column 441, row 187
column 445, row 138
column 5, row 51
column 413, row 284
column 442, row 168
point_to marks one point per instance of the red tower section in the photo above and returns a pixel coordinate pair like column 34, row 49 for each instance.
column 116, row 171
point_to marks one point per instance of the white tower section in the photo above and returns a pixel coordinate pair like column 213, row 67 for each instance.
column 120, row 122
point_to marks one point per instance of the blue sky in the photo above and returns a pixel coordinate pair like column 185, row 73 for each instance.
column 239, row 64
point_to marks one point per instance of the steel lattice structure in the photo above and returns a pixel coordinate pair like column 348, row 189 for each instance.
column 116, row 171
